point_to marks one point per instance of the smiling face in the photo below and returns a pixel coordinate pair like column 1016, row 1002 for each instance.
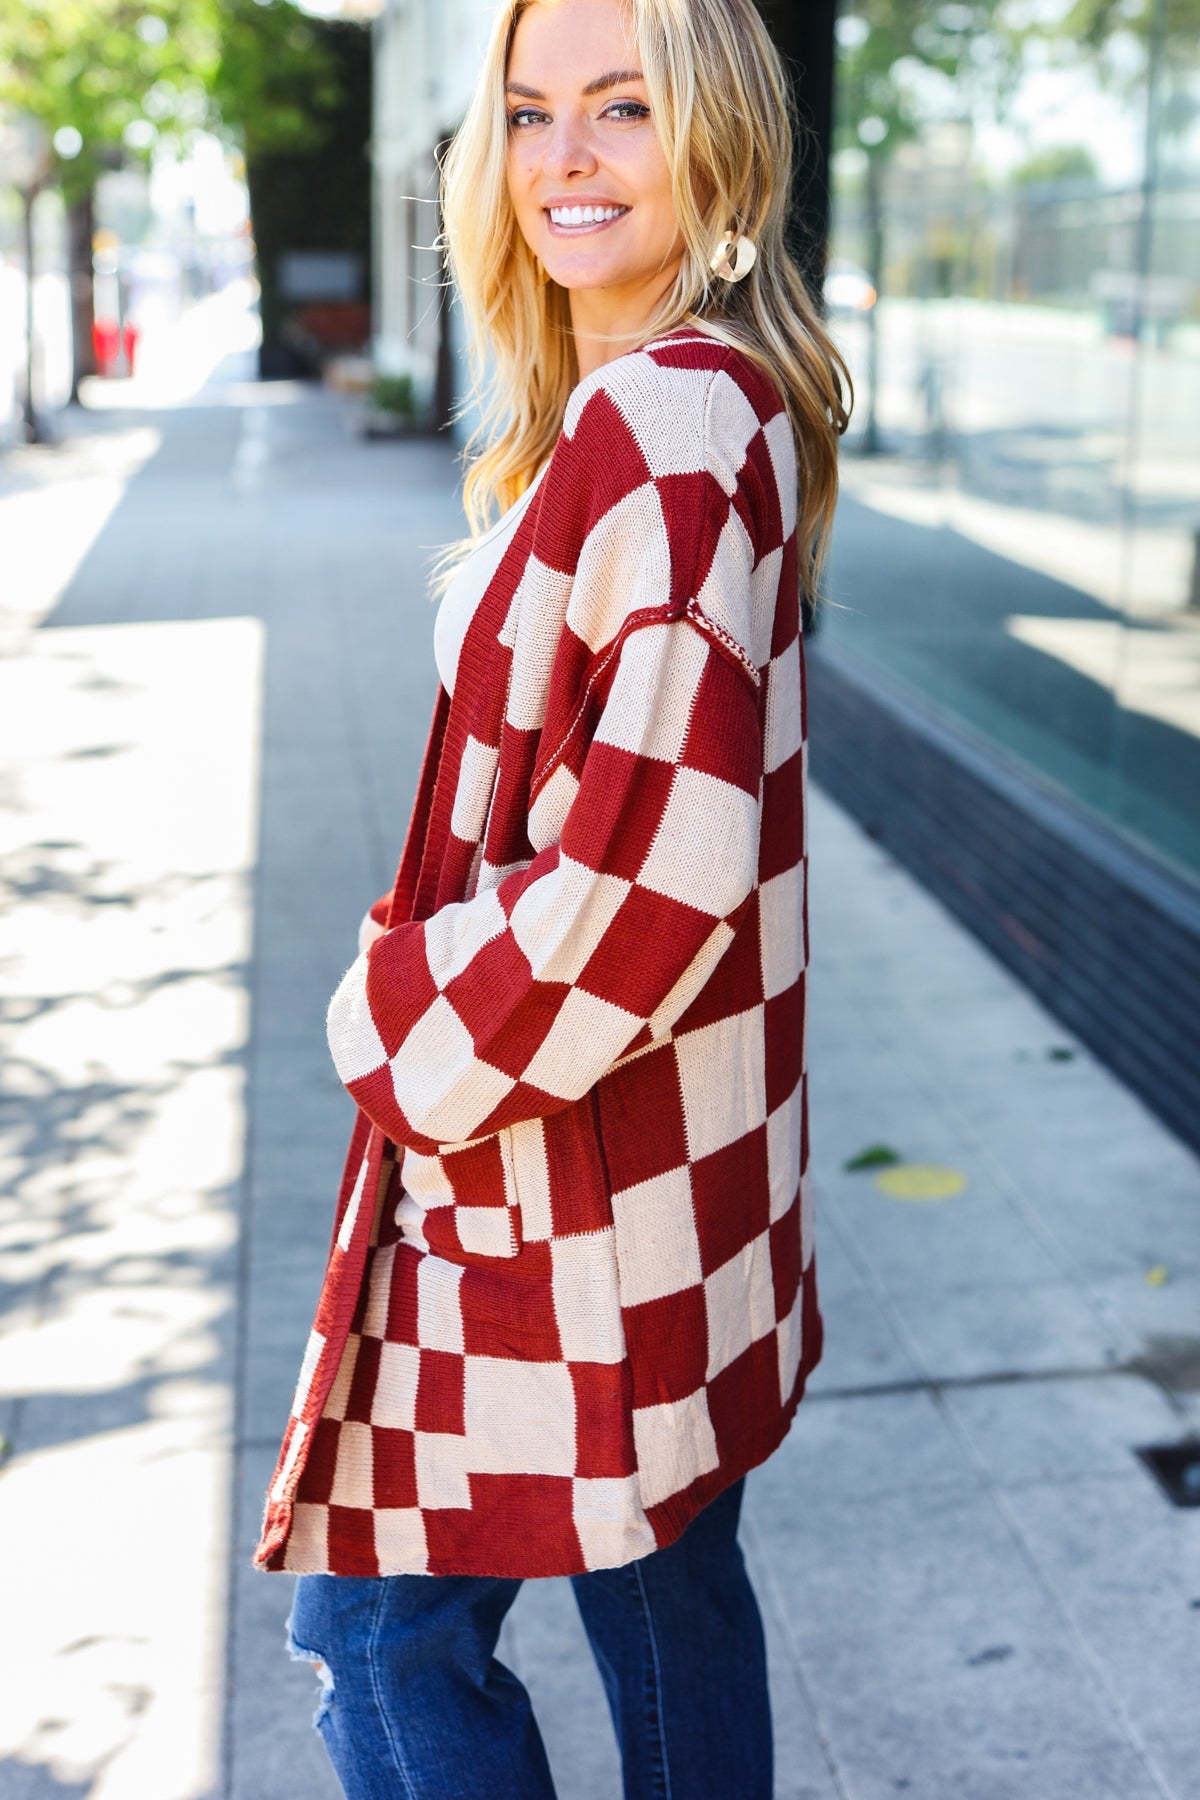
column 586, row 173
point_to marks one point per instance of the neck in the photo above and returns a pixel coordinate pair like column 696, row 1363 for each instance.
column 605, row 322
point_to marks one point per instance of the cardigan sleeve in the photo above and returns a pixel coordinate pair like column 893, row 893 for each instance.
column 513, row 1004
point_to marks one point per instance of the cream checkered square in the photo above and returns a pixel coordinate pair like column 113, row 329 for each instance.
column 394, row 1404
column 680, row 393
column 531, row 1177
column 657, row 1248
column 354, row 1044
column 339, row 1394
column 704, row 850
column 781, row 446
column 784, row 734
column 783, row 1154
column 731, row 425
column 581, row 1019
column 350, row 1216
column 308, row 1544
column 764, row 591
column 675, row 1444
column 790, row 1340
column 781, row 912
column 308, row 1368
column 354, row 1472
column 519, row 1416
column 725, row 594
column 609, row 1521
column 627, row 554
column 441, row 1466
column 587, row 1300
column 456, row 934
column 486, row 1230
column 560, row 922
column 541, row 603
column 439, row 1304
column 400, row 1539
column 667, row 661
column 548, row 814
column 439, row 1082
column 721, row 1112
column 473, row 794
column 378, row 1292
column 739, row 1299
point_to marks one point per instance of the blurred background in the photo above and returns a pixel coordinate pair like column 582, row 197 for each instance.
column 233, row 390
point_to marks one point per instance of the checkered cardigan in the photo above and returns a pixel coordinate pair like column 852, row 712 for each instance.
column 571, row 1295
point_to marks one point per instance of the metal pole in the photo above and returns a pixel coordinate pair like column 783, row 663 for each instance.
column 28, row 410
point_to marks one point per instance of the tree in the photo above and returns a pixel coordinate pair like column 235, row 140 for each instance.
column 1096, row 22
column 92, row 72
column 106, row 76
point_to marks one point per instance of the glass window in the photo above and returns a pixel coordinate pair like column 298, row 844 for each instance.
column 1015, row 278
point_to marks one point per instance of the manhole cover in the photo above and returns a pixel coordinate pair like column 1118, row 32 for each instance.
column 1176, row 1468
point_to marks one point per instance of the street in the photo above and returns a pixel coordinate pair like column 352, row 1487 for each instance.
column 214, row 691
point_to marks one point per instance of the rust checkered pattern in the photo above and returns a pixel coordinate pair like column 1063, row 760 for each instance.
column 571, row 1293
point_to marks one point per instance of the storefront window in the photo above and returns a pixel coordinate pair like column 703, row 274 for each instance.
column 1015, row 279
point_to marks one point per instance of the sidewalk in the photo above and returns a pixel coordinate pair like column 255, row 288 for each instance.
column 972, row 1588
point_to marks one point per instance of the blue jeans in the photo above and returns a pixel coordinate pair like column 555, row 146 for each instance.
column 416, row 1706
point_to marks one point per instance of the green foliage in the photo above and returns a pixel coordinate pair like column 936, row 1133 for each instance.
column 875, row 1156
column 275, row 81
column 1058, row 162
column 1095, row 22
column 99, row 65
column 258, row 68
column 898, row 62
column 394, row 394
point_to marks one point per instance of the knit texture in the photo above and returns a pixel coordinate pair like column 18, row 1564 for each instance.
column 571, row 1292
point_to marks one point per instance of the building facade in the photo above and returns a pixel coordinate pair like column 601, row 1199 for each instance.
column 427, row 57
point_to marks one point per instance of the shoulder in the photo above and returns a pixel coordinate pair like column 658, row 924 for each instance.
column 683, row 403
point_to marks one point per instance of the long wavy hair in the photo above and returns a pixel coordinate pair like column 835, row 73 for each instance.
column 721, row 105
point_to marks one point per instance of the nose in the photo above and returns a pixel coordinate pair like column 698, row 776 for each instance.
column 569, row 150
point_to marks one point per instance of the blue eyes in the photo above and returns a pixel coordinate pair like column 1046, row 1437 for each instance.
column 622, row 110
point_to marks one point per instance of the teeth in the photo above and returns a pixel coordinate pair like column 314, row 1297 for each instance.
column 584, row 215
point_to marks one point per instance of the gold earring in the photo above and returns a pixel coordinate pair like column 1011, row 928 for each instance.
column 734, row 256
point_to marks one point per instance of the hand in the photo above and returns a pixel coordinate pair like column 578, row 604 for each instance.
column 368, row 931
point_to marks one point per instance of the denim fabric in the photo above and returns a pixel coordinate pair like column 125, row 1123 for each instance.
column 416, row 1707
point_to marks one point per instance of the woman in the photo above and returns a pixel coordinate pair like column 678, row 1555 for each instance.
column 571, row 1298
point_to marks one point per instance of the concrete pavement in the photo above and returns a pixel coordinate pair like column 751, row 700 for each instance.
column 215, row 691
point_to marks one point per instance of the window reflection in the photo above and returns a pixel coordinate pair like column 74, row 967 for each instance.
column 1016, row 282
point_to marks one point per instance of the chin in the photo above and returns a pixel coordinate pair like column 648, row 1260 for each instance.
column 580, row 277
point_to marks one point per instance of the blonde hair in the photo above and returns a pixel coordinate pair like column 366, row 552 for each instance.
column 720, row 102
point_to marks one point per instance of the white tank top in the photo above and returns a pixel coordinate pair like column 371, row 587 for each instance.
column 466, row 590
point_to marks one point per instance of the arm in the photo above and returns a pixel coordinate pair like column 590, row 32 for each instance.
column 374, row 922
column 513, row 1004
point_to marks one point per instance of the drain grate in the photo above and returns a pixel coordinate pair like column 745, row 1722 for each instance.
column 1176, row 1468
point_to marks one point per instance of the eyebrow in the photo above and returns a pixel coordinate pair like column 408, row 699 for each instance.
column 614, row 78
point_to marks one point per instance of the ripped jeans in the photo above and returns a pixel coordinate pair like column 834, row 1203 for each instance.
column 416, row 1706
